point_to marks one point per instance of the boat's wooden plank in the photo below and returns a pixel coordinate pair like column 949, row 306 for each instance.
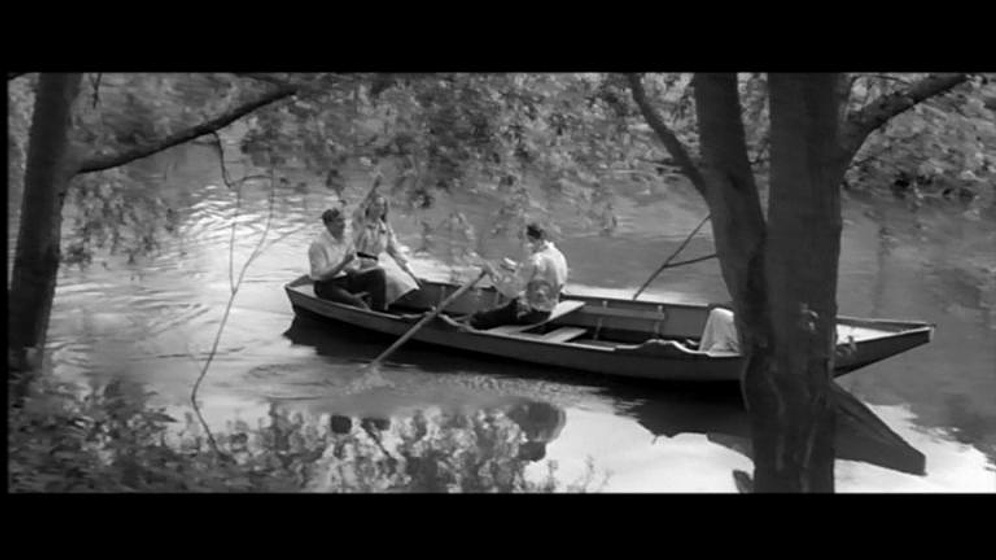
column 627, row 313
column 597, row 343
column 844, row 332
column 563, row 334
column 563, row 308
column 560, row 335
column 659, row 360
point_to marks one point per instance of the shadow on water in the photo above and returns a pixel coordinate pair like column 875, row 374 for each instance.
column 860, row 435
column 665, row 409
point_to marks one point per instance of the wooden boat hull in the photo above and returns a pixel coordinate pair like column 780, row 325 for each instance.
column 639, row 328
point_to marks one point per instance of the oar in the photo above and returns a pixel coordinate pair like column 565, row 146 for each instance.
column 673, row 255
column 435, row 312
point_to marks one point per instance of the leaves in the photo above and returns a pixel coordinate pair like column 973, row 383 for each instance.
column 111, row 438
column 940, row 146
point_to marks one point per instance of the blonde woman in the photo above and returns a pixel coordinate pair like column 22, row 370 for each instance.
column 373, row 236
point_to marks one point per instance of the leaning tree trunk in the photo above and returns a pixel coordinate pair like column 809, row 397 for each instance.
column 50, row 166
column 735, row 206
column 776, row 271
column 783, row 274
column 794, row 426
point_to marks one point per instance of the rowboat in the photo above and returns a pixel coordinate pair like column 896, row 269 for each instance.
column 609, row 336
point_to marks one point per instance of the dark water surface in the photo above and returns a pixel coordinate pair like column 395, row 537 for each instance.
column 147, row 320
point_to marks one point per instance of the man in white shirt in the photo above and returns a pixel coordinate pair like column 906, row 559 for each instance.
column 534, row 285
column 334, row 271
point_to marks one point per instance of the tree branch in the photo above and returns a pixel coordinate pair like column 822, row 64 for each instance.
column 671, row 142
column 879, row 111
column 266, row 78
column 887, row 78
column 846, row 87
column 96, row 89
column 104, row 162
column 303, row 87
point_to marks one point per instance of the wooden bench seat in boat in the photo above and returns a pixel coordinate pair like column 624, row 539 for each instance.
column 563, row 308
column 563, row 334
column 628, row 313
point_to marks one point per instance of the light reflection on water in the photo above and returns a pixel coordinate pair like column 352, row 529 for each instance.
column 152, row 320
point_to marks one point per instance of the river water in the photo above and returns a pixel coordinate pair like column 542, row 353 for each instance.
column 152, row 319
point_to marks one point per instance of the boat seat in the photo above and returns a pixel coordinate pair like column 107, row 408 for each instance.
column 563, row 334
column 563, row 308
column 629, row 313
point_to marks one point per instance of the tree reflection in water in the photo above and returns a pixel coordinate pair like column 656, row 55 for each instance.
column 441, row 451
column 665, row 409
column 860, row 435
column 112, row 439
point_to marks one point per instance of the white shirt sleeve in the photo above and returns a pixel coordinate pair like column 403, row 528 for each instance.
column 319, row 262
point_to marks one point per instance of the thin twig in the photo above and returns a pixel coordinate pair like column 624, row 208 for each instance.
column 231, row 242
column 228, row 310
column 96, row 89
column 283, row 236
column 673, row 255
column 235, row 217
column 221, row 157
column 691, row 261
column 236, row 186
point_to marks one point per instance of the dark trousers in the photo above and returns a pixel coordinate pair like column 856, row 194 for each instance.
column 509, row 314
column 345, row 288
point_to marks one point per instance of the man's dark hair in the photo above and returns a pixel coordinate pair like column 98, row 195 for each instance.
column 330, row 215
column 535, row 231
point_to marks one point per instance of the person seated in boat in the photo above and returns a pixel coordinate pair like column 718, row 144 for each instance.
column 720, row 332
column 373, row 236
column 718, row 336
column 334, row 270
column 533, row 286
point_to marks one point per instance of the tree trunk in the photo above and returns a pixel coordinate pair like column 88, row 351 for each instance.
column 794, row 438
column 50, row 166
column 737, row 221
column 783, row 274
column 740, row 234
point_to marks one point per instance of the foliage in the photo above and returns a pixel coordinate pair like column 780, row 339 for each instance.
column 111, row 210
column 110, row 439
column 537, row 142
column 553, row 146
column 943, row 150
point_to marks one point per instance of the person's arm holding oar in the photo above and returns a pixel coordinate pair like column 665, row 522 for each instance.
column 394, row 249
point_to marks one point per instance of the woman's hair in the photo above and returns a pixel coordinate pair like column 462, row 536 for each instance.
column 387, row 206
